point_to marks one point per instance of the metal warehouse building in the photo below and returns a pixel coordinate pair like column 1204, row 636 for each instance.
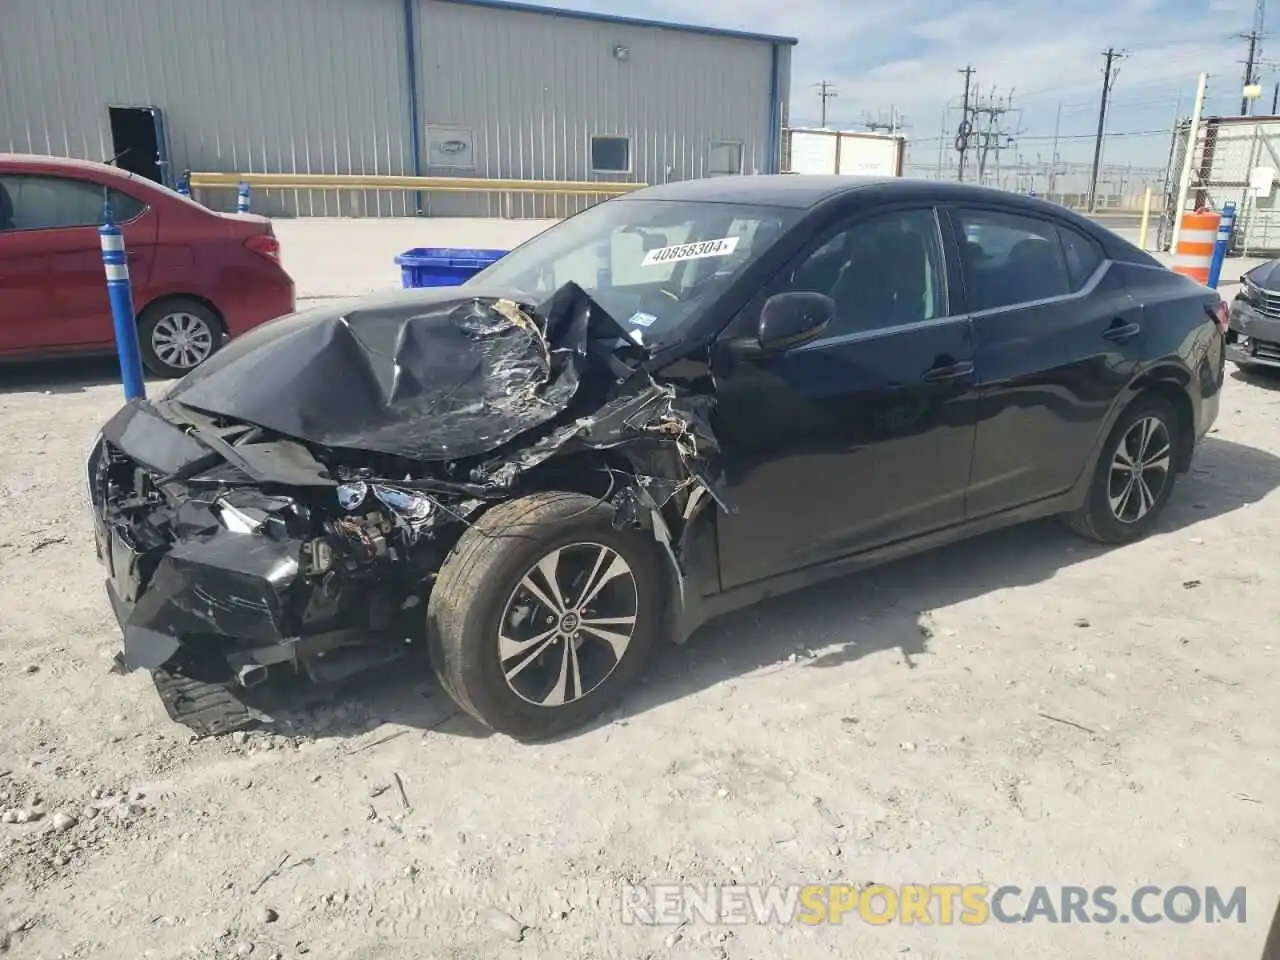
column 472, row 88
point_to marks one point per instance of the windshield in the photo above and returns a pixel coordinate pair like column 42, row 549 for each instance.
column 652, row 264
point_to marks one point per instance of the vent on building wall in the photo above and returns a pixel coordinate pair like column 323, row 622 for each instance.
column 622, row 53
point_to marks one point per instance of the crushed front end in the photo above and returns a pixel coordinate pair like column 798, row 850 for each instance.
column 231, row 553
column 1253, row 332
column 288, row 506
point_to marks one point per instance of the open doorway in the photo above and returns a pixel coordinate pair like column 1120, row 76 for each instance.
column 137, row 142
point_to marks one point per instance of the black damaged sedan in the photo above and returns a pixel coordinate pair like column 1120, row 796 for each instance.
column 673, row 404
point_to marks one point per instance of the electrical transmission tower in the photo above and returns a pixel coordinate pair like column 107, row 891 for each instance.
column 1254, row 36
column 987, row 130
column 1109, row 71
column 965, row 130
column 893, row 125
column 826, row 90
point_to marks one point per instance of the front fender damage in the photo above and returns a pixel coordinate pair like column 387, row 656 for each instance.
column 273, row 514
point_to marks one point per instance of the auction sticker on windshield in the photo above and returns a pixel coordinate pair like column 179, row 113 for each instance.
column 691, row 251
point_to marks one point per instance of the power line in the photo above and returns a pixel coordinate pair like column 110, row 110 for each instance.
column 826, row 91
column 1112, row 56
column 1072, row 136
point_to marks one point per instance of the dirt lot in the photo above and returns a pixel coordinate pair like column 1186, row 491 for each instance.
column 1022, row 709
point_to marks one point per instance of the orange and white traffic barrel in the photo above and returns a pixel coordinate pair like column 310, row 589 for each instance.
column 1196, row 239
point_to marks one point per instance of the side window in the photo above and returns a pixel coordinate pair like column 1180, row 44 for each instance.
column 1011, row 259
column 1082, row 255
column 44, row 203
column 882, row 271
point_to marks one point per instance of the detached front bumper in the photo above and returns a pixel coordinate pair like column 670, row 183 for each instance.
column 208, row 602
column 1253, row 337
column 215, row 581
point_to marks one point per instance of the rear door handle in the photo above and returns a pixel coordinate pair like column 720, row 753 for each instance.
column 1122, row 331
column 952, row 371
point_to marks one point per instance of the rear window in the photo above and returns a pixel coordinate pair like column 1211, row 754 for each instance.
column 1082, row 254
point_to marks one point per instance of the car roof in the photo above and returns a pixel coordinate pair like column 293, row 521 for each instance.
column 802, row 190
column 777, row 190
column 38, row 163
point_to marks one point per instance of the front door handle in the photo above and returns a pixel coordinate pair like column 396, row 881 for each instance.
column 953, row 371
column 1122, row 331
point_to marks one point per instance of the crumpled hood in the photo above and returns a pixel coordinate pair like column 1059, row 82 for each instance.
column 426, row 374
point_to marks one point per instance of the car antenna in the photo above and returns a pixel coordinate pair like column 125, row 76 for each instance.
column 112, row 161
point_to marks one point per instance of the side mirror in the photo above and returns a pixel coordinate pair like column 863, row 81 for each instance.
column 786, row 320
column 790, row 319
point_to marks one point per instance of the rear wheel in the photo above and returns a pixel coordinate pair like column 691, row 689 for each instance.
column 177, row 335
column 545, row 613
column 1135, row 474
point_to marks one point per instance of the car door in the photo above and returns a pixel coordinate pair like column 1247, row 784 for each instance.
column 53, row 291
column 1058, row 338
column 864, row 435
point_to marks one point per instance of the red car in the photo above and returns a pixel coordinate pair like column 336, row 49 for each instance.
column 199, row 277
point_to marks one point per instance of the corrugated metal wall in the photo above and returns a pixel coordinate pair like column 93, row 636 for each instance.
column 320, row 86
column 287, row 85
column 534, row 89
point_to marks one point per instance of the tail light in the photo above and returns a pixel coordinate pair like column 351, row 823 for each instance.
column 264, row 245
column 1221, row 314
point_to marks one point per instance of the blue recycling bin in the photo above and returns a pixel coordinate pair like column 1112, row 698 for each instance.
column 443, row 266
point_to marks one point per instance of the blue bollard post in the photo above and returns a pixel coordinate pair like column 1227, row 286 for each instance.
column 184, row 184
column 242, row 198
column 1224, row 240
column 117, row 269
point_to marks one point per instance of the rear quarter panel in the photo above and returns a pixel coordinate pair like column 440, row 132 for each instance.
column 1183, row 342
column 202, row 254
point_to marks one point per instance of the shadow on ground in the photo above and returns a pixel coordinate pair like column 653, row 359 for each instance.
column 1265, row 377
column 65, row 376
column 848, row 619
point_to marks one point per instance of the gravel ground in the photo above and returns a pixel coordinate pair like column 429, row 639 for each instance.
column 1024, row 708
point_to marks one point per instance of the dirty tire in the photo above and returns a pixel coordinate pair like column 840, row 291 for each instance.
column 470, row 598
column 207, row 709
column 155, row 313
column 1096, row 520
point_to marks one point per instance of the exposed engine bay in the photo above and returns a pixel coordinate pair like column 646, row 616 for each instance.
column 289, row 504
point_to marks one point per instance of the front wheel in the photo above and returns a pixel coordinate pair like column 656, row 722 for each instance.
column 1135, row 474
column 545, row 613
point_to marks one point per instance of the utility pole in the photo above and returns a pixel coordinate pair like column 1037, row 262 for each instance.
column 1112, row 56
column 966, row 123
column 1053, row 156
column 1275, row 99
column 1254, row 37
column 826, row 91
column 942, row 138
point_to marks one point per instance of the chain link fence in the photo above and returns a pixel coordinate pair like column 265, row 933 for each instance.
column 1226, row 153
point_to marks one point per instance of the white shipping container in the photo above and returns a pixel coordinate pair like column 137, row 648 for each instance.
column 843, row 152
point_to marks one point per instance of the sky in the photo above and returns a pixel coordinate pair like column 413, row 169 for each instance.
column 906, row 55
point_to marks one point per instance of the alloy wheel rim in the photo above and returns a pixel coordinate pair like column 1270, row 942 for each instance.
column 567, row 624
column 1139, row 470
column 182, row 340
